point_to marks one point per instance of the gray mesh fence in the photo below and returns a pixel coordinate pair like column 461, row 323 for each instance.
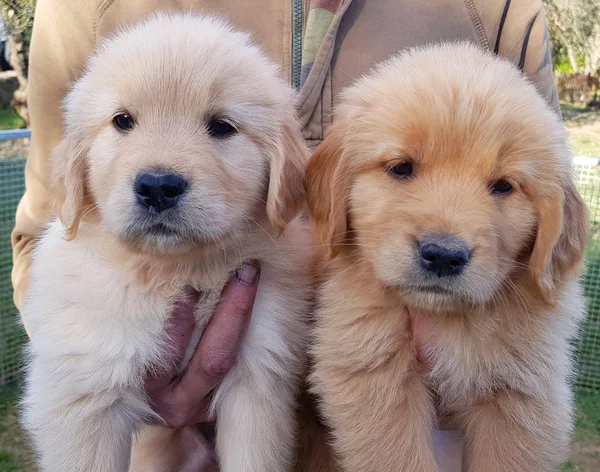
column 588, row 353
column 13, row 150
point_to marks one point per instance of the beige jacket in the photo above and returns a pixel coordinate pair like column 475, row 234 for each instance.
column 360, row 33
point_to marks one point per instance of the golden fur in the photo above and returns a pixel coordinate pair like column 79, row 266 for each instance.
column 497, row 337
column 106, row 276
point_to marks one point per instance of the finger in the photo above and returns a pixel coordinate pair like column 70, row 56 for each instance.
column 218, row 348
column 448, row 447
column 185, row 409
column 182, row 325
column 179, row 332
column 424, row 330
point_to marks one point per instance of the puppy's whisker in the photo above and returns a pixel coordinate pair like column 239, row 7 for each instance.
column 262, row 228
column 357, row 264
column 528, row 267
column 344, row 245
column 522, row 297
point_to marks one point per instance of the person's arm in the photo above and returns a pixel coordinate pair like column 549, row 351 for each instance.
column 63, row 37
column 538, row 60
column 519, row 32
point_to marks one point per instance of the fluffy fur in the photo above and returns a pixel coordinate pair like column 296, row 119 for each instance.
column 105, row 277
column 497, row 337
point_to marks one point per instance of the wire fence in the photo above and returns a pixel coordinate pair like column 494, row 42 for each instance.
column 13, row 150
column 588, row 351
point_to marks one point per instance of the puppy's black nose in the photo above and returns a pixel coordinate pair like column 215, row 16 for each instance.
column 159, row 192
column 444, row 255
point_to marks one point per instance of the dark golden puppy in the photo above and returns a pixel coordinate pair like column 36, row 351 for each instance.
column 444, row 196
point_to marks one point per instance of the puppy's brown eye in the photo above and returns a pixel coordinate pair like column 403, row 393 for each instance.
column 501, row 187
column 123, row 122
column 219, row 128
column 403, row 170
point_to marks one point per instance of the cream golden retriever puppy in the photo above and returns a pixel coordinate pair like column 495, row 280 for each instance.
column 444, row 195
column 182, row 159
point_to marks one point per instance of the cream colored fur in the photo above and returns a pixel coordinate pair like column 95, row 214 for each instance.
column 497, row 339
column 103, row 286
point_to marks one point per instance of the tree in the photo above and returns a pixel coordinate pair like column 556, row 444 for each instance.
column 18, row 16
column 575, row 25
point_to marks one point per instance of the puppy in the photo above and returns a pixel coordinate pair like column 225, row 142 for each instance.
column 182, row 159
column 444, row 197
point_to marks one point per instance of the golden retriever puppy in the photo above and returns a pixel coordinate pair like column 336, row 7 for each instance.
column 182, row 159
column 444, row 196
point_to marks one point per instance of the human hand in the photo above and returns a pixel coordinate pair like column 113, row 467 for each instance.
column 448, row 448
column 447, row 444
column 184, row 400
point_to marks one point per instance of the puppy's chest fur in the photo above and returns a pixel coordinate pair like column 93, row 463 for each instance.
column 471, row 355
column 112, row 304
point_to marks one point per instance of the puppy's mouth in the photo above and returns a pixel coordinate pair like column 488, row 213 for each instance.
column 153, row 229
column 428, row 287
column 157, row 235
column 431, row 289
column 160, row 229
column 433, row 297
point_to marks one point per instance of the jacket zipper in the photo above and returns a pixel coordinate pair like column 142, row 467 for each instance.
column 297, row 19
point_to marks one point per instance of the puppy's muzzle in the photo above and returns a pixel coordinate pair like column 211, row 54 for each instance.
column 445, row 256
column 158, row 192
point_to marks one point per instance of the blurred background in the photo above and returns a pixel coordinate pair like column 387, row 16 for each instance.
column 574, row 28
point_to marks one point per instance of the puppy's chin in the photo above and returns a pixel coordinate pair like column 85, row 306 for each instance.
column 428, row 292
column 159, row 238
column 171, row 236
column 159, row 244
column 442, row 299
column 439, row 301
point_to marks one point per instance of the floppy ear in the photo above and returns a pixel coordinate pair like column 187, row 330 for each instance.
column 328, row 182
column 560, row 242
column 286, row 193
column 69, row 183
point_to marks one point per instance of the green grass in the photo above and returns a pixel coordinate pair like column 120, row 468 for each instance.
column 15, row 455
column 583, row 125
column 566, row 108
column 588, row 417
column 583, row 145
column 10, row 120
column 586, row 445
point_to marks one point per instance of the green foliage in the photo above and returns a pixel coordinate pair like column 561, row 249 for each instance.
column 563, row 66
column 9, row 119
column 18, row 15
column 574, row 27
